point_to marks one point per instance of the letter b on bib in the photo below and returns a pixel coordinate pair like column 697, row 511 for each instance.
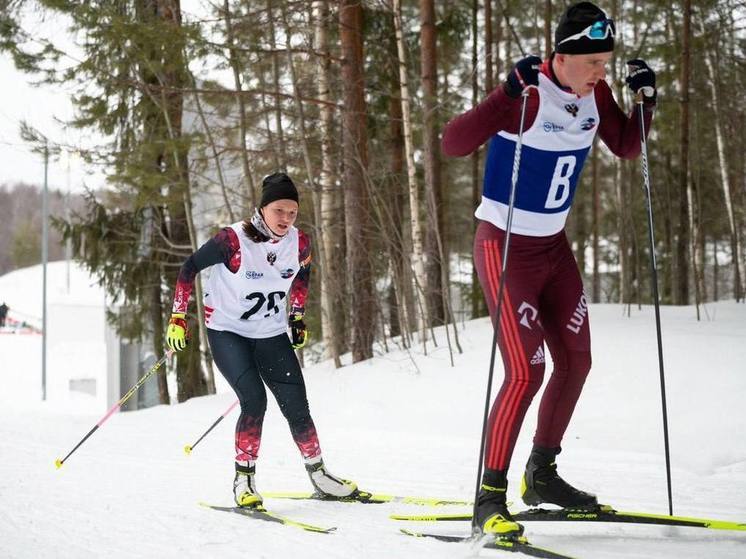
column 559, row 190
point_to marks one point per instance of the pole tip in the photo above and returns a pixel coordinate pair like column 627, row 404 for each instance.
column 187, row 450
column 58, row 463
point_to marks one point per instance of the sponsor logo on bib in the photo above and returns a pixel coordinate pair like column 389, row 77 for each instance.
column 552, row 127
column 588, row 123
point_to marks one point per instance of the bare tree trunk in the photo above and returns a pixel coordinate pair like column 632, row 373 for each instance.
column 477, row 301
column 723, row 165
column 668, row 222
column 715, row 270
column 619, row 184
column 274, row 145
column 694, row 229
column 537, row 33
column 581, row 230
column 215, row 155
column 682, row 256
column 357, row 203
column 595, row 218
column 488, row 81
column 322, row 202
column 320, row 232
column 421, row 286
column 498, row 36
column 548, row 26
column 276, row 85
column 436, row 255
column 166, row 75
column 157, row 316
column 400, row 298
column 235, row 67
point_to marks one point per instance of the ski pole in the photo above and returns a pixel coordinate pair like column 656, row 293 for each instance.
column 654, row 274
column 58, row 463
column 188, row 448
column 500, row 289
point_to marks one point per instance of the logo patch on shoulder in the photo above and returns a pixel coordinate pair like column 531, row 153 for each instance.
column 287, row 273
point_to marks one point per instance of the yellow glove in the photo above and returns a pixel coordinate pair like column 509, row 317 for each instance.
column 298, row 331
column 176, row 333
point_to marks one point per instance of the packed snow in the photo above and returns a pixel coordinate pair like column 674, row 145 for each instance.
column 402, row 423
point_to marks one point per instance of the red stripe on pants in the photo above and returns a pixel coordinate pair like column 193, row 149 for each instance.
column 507, row 406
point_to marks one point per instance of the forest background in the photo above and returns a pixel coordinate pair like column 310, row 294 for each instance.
column 192, row 103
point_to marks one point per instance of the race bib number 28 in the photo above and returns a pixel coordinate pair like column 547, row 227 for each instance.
column 271, row 300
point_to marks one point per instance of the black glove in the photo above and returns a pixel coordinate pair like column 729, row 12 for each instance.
column 525, row 73
column 298, row 332
column 641, row 78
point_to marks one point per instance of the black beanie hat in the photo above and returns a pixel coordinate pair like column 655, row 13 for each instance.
column 575, row 19
column 277, row 187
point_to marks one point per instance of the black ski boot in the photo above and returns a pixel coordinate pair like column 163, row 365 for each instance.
column 542, row 484
column 492, row 515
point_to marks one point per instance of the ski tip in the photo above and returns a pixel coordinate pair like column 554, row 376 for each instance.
column 58, row 463
column 409, row 533
column 187, row 450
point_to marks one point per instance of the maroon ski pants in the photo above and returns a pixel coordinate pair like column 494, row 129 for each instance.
column 543, row 303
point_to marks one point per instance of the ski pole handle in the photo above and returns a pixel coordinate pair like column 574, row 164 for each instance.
column 58, row 463
column 188, row 448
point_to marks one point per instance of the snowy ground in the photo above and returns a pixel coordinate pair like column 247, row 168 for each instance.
column 130, row 491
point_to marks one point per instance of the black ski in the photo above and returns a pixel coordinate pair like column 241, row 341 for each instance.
column 603, row 514
column 607, row 514
column 512, row 545
column 261, row 513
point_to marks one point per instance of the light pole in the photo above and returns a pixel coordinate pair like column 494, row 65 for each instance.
column 44, row 258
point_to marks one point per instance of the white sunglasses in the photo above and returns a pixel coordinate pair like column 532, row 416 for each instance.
column 598, row 30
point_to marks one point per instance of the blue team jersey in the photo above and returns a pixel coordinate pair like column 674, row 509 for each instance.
column 552, row 156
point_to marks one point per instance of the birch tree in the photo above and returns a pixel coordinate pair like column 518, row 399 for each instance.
column 421, row 285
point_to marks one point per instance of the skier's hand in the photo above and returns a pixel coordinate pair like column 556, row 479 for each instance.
column 298, row 332
column 641, row 79
column 524, row 74
column 176, row 333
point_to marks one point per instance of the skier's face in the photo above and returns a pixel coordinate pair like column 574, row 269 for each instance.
column 280, row 215
column 581, row 72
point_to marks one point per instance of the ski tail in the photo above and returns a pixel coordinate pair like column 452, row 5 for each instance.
column 512, row 545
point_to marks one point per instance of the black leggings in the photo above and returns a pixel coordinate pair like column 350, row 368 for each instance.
column 250, row 363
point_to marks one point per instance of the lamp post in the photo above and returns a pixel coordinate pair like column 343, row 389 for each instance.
column 44, row 258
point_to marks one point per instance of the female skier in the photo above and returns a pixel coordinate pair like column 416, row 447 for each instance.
column 258, row 265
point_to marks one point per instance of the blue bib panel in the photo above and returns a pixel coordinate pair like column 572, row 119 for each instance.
column 546, row 180
column 552, row 156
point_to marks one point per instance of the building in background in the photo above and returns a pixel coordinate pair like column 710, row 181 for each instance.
column 89, row 366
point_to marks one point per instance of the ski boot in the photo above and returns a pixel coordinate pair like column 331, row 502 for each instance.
column 492, row 515
column 542, row 484
column 327, row 485
column 244, row 486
